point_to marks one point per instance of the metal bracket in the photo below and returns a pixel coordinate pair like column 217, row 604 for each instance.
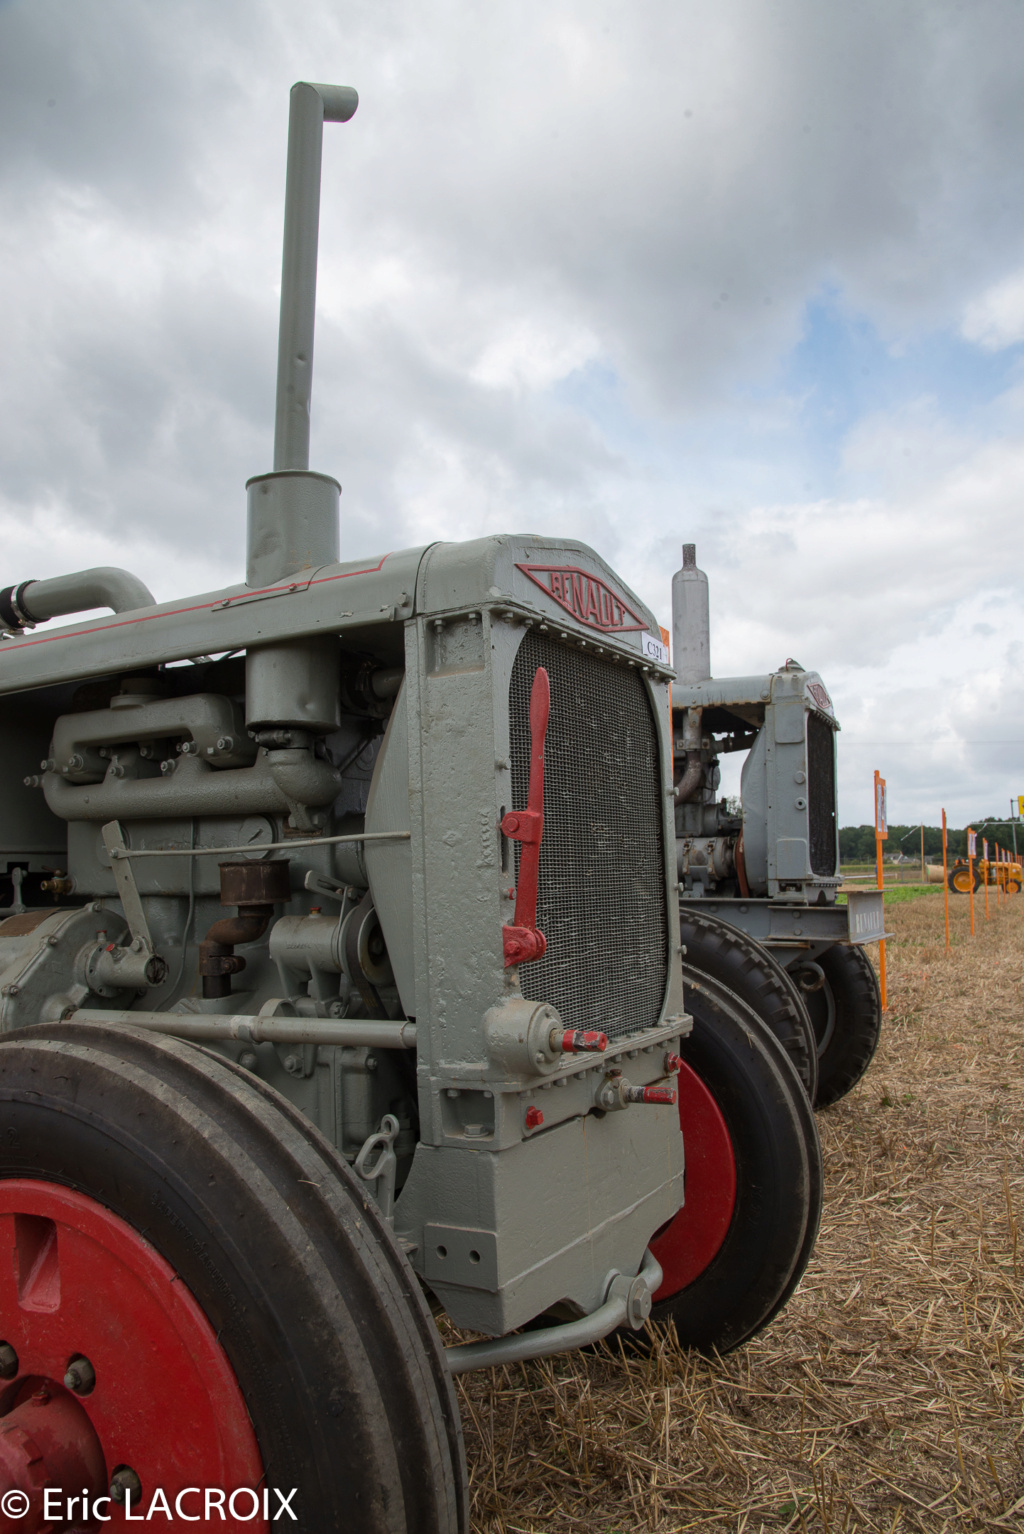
column 139, row 965
column 382, row 1171
column 113, row 840
column 317, row 884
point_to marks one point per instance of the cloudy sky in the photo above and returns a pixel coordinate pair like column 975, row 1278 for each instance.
column 748, row 273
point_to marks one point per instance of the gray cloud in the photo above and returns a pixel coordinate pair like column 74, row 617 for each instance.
column 533, row 202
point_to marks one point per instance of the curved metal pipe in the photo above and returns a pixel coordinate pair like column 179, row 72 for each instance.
column 309, row 108
column 690, row 780
column 694, row 771
column 620, row 1307
column 37, row 601
column 217, row 958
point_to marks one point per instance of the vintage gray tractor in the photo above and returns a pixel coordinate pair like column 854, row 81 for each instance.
column 757, row 890
column 340, row 983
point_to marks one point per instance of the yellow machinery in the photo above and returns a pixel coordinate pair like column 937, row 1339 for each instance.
column 1008, row 875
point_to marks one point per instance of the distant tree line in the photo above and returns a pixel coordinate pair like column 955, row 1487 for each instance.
column 857, row 843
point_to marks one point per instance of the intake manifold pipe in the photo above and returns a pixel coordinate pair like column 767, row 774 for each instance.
column 693, row 772
column 32, row 602
column 254, row 888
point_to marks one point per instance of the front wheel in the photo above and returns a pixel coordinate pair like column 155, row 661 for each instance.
column 845, row 1005
column 735, row 1252
column 195, row 1293
column 735, row 959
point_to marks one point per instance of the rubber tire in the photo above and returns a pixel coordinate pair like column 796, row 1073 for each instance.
column 851, row 988
column 958, row 870
column 779, row 1175
column 728, row 954
column 318, row 1311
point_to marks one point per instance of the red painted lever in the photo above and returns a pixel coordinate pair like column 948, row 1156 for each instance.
column 522, row 941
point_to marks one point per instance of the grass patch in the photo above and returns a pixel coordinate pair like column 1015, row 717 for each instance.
column 894, row 893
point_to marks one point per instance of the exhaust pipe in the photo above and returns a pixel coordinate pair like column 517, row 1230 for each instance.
column 293, row 513
column 691, row 657
column 691, row 623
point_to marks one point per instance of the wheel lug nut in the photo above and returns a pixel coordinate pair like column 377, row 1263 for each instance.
column 8, row 1361
column 80, row 1376
column 124, row 1482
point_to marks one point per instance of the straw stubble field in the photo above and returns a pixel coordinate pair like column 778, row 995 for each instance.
column 888, row 1394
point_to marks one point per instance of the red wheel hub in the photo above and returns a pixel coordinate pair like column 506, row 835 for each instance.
column 691, row 1240
column 46, row 1439
column 78, row 1283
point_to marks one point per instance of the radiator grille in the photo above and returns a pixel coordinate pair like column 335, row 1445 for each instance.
column 601, row 902
column 821, row 795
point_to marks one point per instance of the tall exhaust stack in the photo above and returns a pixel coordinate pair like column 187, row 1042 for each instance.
column 691, row 622
column 292, row 512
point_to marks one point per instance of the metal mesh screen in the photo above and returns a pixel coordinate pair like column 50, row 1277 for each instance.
column 821, row 796
column 601, row 902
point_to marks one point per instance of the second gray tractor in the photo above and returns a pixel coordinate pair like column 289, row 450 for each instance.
column 758, row 889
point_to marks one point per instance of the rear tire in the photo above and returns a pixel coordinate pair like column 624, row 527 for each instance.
column 731, row 956
column 846, row 1012
column 959, row 879
column 760, row 1186
column 286, row 1264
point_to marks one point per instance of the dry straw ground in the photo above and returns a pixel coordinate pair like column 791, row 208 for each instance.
column 888, row 1395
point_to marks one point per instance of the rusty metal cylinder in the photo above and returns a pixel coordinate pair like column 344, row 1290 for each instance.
column 255, row 882
column 254, row 888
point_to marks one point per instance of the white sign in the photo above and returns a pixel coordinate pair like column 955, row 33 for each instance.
column 653, row 649
column 972, row 844
column 881, row 823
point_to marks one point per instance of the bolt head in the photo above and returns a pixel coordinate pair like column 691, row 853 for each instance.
column 80, row 1376
column 124, row 1480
